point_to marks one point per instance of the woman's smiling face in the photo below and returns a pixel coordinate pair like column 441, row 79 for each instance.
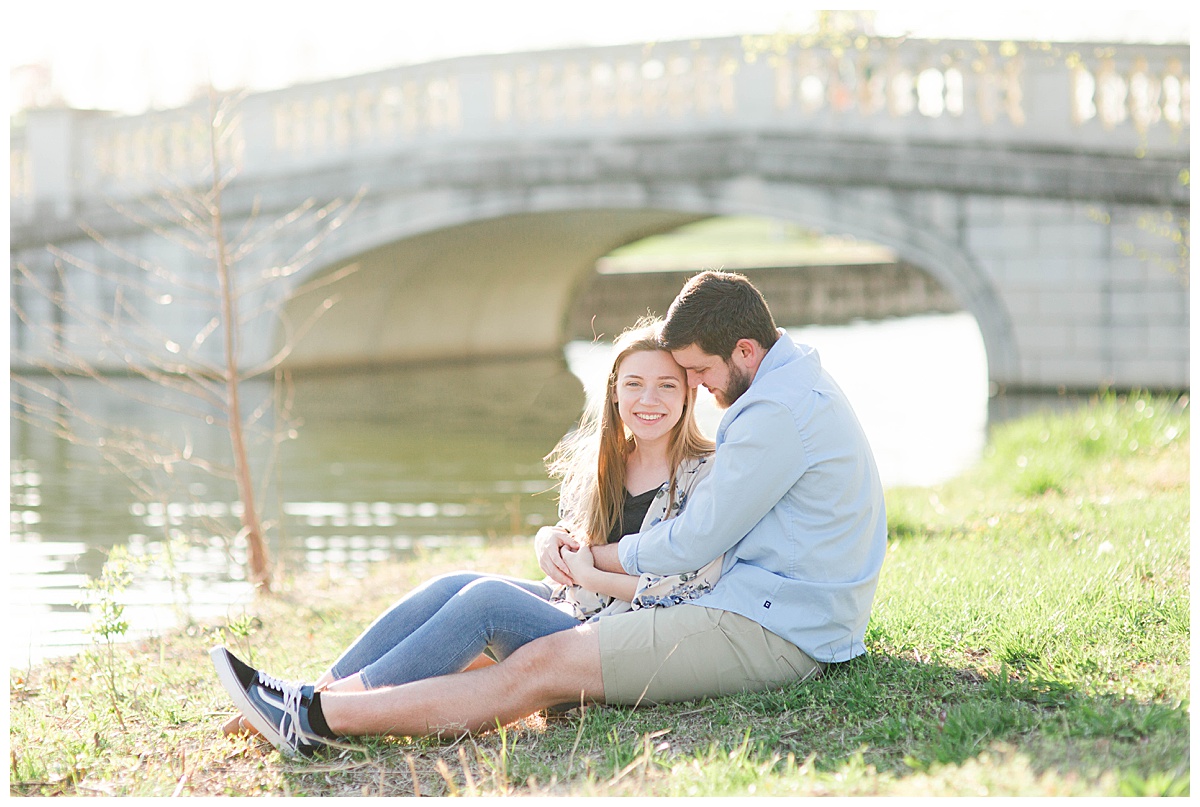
column 650, row 394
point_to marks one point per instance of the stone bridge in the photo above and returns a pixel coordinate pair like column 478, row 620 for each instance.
column 1043, row 186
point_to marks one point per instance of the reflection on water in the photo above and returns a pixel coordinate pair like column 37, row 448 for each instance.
column 392, row 460
column 384, row 463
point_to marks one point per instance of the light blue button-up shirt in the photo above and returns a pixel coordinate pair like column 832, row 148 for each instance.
column 795, row 503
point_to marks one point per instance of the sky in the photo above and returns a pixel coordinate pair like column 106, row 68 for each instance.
column 127, row 55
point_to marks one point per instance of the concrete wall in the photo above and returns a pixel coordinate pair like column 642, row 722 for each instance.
column 803, row 295
column 1092, row 291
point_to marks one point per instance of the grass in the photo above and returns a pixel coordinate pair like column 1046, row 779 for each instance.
column 740, row 241
column 1031, row 636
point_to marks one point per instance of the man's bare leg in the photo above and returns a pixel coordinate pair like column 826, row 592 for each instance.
column 354, row 683
column 559, row 668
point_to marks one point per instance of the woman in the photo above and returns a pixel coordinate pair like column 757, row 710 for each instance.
column 628, row 466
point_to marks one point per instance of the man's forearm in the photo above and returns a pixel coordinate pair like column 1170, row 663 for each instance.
column 606, row 559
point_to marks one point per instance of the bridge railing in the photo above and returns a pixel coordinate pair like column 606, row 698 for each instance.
column 1098, row 97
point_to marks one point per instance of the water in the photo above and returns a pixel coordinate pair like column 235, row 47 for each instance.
column 394, row 460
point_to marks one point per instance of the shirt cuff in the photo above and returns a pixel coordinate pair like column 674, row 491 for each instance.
column 627, row 554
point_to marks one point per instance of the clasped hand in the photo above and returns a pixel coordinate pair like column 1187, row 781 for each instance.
column 551, row 544
column 580, row 563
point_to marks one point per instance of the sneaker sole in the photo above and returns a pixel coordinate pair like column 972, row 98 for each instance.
column 234, row 687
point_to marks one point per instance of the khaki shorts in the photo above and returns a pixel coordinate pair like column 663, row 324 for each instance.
column 686, row 652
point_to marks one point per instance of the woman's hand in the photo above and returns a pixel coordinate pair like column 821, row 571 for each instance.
column 548, row 544
column 580, row 563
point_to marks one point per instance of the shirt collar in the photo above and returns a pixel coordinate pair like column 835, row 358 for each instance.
column 780, row 353
column 785, row 351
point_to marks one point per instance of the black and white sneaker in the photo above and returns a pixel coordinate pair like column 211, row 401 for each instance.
column 278, row 709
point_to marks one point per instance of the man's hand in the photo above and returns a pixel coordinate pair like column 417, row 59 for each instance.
column 548, row 545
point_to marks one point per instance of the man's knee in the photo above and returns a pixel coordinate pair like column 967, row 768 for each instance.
column 562, row 667
column 545, row 651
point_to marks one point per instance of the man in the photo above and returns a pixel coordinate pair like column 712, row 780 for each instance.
column 793, row 502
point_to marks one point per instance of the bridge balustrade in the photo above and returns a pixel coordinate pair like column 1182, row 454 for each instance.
column 1107, row 97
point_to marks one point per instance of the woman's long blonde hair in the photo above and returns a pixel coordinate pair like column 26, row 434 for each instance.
column 590, row 461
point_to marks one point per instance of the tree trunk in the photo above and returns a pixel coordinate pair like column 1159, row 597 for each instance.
column 257, row 560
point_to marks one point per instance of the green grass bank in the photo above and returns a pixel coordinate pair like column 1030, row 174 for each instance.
column 1031, row 636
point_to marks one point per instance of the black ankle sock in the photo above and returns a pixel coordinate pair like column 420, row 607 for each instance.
column 316, row 718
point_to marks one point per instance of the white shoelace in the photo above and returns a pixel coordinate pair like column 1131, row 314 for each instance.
column 289, row 724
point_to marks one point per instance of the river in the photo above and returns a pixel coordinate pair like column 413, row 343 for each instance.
column 393, row 460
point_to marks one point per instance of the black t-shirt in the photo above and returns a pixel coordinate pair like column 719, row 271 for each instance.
column 633, row 514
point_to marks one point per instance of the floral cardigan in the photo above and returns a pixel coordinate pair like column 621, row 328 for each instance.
column 653, row 591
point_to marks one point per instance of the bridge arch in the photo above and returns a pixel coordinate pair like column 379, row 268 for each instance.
column 492, row 277
column 897, row 220
column 494, row 274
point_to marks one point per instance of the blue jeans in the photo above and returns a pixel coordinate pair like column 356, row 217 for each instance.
column 443, row 625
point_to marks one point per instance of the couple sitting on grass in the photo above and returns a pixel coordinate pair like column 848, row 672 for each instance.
column 680, row 569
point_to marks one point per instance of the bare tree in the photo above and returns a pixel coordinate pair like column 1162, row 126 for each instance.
column 199, row 374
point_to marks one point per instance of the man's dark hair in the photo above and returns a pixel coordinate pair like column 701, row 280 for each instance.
column 716, row 309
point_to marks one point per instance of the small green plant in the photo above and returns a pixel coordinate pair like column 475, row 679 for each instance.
column 176, row 546
column 109, row 625
column 1038, row 481
column 241, row 628
column 1156, row 784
